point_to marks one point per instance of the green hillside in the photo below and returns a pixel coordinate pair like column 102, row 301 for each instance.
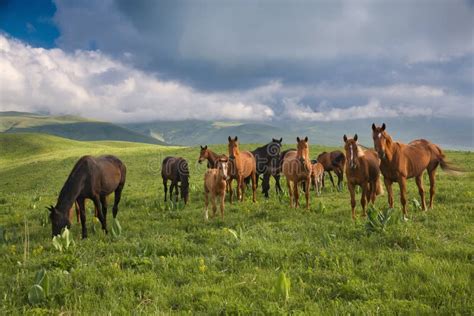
column 71, row 127
column 168, row 259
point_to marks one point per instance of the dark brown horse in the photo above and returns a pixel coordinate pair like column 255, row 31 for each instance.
column 333, row 161
column 176, row 170
column 91, row 178
column 401, row 162
column 242, row 165
column 362, row 169
column 211, row 157
column 297, row 168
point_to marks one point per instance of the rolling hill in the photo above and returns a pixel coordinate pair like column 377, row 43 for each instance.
column 72, row 127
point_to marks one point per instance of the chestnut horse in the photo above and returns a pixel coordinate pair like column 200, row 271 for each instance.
column 215, row 183
column 404, row 161
column 333, row 161
column 91, row 178
column 176, row 169
column 242, row 165
column 297, row 168
column 362, row 169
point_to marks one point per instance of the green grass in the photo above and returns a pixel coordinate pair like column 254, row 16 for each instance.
column 168, row 260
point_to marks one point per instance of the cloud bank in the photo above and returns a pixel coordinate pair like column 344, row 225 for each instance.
column 96, row 85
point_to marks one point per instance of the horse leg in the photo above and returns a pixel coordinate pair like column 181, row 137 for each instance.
column 214, row 207
column 296, row 194
column 266, row 183
column 332, row 180
column 421, row 191
column 231, row 192
column 307, row 193
column 206, row 203
column 103, row 202
column 278, row 188
column 222, row 198
column 351, row 188
column 388, row 186
column 290, row 192
column 82, row 214
column 239, row 188
column 402, row 181
column 117, row 197
column 254, row 187
column 363, row 198
column 165, row 185
column 340, row 177
column 432, row 174
column 96, row 201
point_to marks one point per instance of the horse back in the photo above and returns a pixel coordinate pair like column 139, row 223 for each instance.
column 247, row 163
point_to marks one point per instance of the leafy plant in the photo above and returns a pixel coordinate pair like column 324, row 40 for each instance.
column 116, row 228
column 416, row 204
column 377, row 221
column 40, row 289
column 282, row 286
column 63, row 241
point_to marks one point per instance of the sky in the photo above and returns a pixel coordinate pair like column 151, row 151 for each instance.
column 129, row 61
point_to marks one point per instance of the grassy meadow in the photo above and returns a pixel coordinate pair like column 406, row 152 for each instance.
column 169, row 259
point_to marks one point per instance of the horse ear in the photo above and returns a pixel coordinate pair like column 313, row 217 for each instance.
column 229, row 139
column 201, row 147
column 373, row 127
column 281, row 139
column 355, row 137
column 306, row 139
column 298, row 139
column 236, row 138
column 383, row 126
column 344, row 138
column 205, row 147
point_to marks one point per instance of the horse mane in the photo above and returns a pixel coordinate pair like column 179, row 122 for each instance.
column 71, row 186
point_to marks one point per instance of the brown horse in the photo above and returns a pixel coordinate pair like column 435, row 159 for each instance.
column 242, row 165
column 297, row 168
column 176, row 169
column 215, row 183
column 317, row 174
column 363, row 170
column 91, row 178
column 404, row 161
column 333, row 161
column 211, row 157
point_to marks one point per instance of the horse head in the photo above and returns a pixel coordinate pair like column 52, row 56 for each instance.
column 352, row 151
column 302, row 151
column 233, row 147
column 204, row 154
column 382, row 141
column 223, row 166
column 59, row 220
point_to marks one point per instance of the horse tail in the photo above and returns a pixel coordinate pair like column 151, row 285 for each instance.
column 446, row 165
column 378, row 187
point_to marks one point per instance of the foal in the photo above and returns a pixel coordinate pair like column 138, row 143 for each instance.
column 212, row 157
column 297, row 168
column 363, row 170
column 317, row 174
column 215, row 182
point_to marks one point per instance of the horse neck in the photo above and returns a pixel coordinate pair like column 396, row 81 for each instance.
column 391, row 151
column 212, row 156
column 71, row 190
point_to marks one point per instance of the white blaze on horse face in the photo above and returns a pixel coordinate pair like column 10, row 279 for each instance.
column 379, row 135
column 352, row 152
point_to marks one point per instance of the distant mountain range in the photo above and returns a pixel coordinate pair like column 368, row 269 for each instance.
column 448, row 133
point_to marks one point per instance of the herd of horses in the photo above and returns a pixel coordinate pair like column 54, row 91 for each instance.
column 96, row 178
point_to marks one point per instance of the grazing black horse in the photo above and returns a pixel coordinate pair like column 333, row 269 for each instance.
column 176, row 169
column 267, row 159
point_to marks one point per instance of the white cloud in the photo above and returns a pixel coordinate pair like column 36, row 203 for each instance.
column 94, row 85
